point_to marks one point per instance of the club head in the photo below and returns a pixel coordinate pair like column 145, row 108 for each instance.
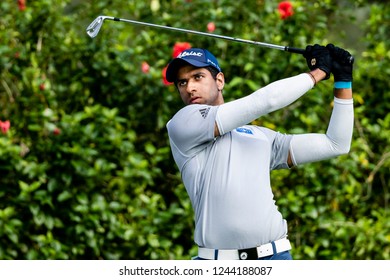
column 94, row 28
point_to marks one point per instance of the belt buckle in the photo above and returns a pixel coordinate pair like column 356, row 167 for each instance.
column 248, row 254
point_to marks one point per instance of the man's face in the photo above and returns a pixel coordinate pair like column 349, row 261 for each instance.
column 197, row 86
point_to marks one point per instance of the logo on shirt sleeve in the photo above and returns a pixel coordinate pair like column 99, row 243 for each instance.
column 244, row 130
column 204, row 112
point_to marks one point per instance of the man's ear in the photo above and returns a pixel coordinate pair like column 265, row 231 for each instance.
column 220, row 79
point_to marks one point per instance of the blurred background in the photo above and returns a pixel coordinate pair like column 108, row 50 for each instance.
column 86, row 170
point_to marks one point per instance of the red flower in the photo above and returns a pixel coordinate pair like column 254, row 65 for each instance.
column 164, row 75
column 211, row 26
column 285, row 9
column 4, row 126
column 145, row 67
column 22, row 5
column 57, row 131
column 179, row 47
column 42, row 86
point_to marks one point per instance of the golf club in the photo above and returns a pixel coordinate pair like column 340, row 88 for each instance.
column 94, row 28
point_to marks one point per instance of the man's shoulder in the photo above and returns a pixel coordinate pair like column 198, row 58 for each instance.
column 190, row 111
column 193, row 108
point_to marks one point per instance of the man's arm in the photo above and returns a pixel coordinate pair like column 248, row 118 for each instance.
column 272, row 97
column 313, row 147
column 276, row 95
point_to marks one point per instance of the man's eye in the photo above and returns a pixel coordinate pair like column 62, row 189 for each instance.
column 197, row 77
column 182, row 83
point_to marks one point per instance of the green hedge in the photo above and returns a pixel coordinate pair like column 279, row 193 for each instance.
column 86, row 170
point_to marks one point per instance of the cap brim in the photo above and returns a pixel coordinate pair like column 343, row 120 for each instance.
column 176, row 63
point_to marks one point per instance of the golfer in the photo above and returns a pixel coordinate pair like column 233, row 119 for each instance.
column 225, row 163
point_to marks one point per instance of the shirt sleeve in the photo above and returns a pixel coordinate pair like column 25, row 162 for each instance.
column 272, row 97
column 313, row 147
column 192, row 128
column 280, row 145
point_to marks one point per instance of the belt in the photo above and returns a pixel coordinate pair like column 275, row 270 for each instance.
column 254, row 253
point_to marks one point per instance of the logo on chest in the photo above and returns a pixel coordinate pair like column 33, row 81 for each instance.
column 244, row 130
column 204, row 112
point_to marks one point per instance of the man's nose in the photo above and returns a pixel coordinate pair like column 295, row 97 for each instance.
column 191, row 87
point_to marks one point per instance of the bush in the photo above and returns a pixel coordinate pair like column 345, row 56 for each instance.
column 86, row 168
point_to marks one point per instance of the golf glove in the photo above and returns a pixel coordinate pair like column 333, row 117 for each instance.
column 318, row 57
column 342, row 64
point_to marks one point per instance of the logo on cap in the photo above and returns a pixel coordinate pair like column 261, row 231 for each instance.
column 195, row 57
column 191, row 53
column 213, row 63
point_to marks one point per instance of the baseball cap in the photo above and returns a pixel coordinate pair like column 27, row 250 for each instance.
column 194, row 56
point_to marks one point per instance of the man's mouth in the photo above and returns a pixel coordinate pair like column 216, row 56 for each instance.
column 194, row 100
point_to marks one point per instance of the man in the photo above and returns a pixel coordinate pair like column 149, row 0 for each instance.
column 225, row 164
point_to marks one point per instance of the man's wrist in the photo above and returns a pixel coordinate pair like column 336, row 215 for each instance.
column 343, row 93
column 317, row 75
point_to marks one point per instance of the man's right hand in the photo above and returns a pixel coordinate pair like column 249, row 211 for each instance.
column 318, row 57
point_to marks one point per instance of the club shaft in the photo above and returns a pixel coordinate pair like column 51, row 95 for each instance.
column 267, row 45
column 94, row 27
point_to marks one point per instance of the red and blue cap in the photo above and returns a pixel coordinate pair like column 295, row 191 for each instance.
column 194, row 56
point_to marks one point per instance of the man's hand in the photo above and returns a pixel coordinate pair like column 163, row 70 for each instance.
column 342, row 64
column 318, row 57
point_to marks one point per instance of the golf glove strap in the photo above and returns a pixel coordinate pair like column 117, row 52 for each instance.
column 270, row 98
column 306, row 148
